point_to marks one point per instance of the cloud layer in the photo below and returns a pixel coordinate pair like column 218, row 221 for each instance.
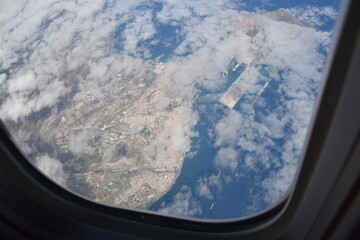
column 51, row 168
column 57, row 51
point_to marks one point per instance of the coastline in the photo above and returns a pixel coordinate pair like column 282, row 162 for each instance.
column 182, row 158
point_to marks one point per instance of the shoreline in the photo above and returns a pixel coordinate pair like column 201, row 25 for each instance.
column 178, row 172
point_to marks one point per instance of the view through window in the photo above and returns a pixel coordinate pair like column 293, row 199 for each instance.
column 190, row 108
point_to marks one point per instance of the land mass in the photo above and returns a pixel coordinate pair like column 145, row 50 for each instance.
column 122, row 141
column 123, row 147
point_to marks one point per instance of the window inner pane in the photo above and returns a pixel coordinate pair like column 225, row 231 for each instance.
column 189, row 108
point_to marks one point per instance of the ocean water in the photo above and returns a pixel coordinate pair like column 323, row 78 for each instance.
column 241, row 193
column 239, row 187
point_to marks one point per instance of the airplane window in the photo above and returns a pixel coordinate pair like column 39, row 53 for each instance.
column 188, row 108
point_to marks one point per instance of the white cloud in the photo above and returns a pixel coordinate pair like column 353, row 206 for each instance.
column 51, row 168
column 2, row 78
column 22, row 100
column 209, row 187
column 293, row 49
column 203, row 190
column 139, row 30
column 79, row 142
column 278, row 183
column 51, row 48
column 182, row 204
column 228, row 128
column 24, row 82
column 47, row 42
column 315, row 16
column 227, row 158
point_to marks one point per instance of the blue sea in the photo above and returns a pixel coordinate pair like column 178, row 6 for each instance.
column 236, row 198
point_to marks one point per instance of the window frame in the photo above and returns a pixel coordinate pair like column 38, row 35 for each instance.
column 34, row 207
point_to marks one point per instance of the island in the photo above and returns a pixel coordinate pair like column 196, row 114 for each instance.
column 122, row 146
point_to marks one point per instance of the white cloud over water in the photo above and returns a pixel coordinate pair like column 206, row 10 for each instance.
column 52, row 49
column 227, row 158
column 315, row 16
column 182, row 204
